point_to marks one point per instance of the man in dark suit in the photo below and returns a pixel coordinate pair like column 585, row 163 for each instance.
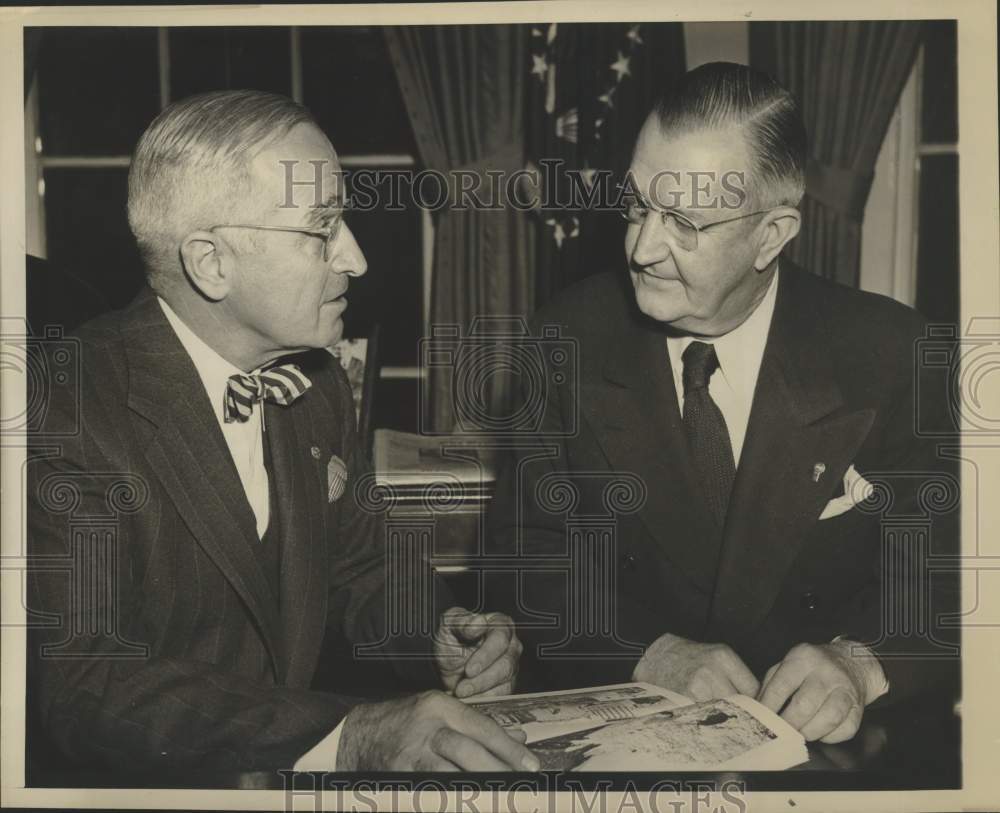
column 749, row 408
column 196, row 528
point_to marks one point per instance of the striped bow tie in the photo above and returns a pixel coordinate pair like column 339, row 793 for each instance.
column 281, row 384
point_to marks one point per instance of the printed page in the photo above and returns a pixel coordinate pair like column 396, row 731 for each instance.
column 550, row 714
column 735, row 733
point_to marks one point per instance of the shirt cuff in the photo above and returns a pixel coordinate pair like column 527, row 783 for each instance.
column 323, row 756
column 876, row 683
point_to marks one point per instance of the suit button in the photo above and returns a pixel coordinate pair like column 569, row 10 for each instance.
column 810, row 601
column 628, row 561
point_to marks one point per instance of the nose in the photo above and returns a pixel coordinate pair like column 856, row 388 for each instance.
column 650, row 245
column 347, row 255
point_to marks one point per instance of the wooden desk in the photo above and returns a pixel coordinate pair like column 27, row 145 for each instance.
column 914, row 746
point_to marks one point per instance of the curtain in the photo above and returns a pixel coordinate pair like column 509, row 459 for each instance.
column 591, row 87
column 464, row 91
column 848, row 77
column 32, row 47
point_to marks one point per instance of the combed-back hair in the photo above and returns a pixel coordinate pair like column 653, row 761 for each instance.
column 191, row 168
column 724, row 94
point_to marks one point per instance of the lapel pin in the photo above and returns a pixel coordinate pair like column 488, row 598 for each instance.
column 818, row 470
column 336, row 477
column 315, row 452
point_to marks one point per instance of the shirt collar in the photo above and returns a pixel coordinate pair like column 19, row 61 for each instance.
column 740, row 351
column 212, row 368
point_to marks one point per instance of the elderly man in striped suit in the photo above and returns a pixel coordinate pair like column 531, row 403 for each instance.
column 211, row 401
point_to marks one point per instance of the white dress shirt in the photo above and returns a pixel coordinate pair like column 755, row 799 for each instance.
column 245, row 440
column 740, row 352
column 246, row 446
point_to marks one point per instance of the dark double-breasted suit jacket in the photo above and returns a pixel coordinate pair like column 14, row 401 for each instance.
column 160, row 637
column 835, row 388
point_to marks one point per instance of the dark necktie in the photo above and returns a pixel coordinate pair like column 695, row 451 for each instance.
column 706, row 430
column 281, row 384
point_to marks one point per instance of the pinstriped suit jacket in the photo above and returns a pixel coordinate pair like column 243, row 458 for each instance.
column 158, row 641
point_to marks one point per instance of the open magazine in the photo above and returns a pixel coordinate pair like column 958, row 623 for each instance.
column 638, row 726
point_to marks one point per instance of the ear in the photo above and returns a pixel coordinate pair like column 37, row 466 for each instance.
column 208, row 263
column 778, row 227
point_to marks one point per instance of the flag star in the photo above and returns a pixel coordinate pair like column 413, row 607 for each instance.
column 620, row 66
column 576, row 227
column 633, row 34
column 536, row 32
column 540, row 67
column 588, row 173
column 606, row 97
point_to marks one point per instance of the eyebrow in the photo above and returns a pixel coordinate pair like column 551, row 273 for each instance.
column 331, row 207
column 689, row 214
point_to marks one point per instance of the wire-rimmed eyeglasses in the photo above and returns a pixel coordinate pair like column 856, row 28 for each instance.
column 684, row 231
column 327, row 234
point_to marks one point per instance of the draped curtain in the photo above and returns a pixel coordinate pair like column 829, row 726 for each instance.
column 848, row 77
column 591, row 87
column 464, row 91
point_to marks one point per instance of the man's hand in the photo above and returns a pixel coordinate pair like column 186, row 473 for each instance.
column 700, row 671
column 477, row 654
column 428, row 732
column 825, row 688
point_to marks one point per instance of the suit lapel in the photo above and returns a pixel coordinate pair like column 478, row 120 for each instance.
column 633, row 410
column 188, row 452
column 299, row 480
column 798, row 419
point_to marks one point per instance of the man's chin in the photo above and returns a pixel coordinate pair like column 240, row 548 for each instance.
column 326, row 334
column 661, row 306
column 334, row 333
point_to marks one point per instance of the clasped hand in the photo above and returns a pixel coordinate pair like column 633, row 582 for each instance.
column 477, row 654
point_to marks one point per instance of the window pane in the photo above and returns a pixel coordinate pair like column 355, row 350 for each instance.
column 940, row 97
column 88, row 230
column 98, row 88
column 937, row 241
column 217, row 58
column 349, row 85
column 391, row 292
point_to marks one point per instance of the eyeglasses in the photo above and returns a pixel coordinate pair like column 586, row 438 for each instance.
column 683, row 230
column 328, row 235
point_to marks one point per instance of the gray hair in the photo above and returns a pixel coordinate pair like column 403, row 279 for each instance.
column 191, row 168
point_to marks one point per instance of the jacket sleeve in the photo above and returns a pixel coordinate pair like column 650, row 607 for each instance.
column 908, row 613
column 526, row 524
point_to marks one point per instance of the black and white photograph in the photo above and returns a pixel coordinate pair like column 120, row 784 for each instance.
column 494, row 406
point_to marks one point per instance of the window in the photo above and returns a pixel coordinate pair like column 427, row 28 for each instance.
column 95, row 91
column 910, row 242
column 938, row 238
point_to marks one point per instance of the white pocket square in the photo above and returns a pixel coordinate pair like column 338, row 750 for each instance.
column 856, row 489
